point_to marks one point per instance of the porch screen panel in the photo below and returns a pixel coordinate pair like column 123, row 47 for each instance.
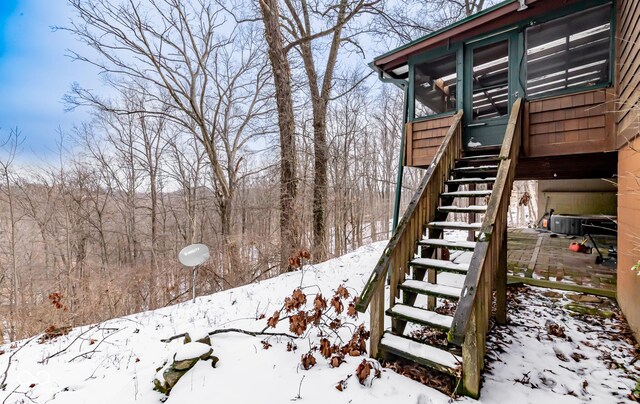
column 435, row 86
column 491, row 81
column 569, row 52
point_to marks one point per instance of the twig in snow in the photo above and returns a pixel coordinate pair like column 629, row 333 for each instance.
column 94, row 350
column 6, row 371
column 238, row 330
column 68, row 346
column 298, row 397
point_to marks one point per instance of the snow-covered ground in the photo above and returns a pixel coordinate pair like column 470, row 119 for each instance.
column 115, row 361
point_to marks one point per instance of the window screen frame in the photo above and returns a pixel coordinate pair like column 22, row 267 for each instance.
column 588, row 5
column 455, row 50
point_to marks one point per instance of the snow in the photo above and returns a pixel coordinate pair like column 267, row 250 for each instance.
column 481, row 167
column 474, row 179
column 424, row 316
column 468, row 193
column 429, row 262
column 433, row 288
column 190, row 351
column 457, row 225
column 449, row 243
column 419, row 350
column 116, row 361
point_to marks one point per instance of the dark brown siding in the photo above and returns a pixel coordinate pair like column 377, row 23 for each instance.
column 569, row 124
column 628, row 70
column 423, row 140
column 629, row 234
column 627, row 118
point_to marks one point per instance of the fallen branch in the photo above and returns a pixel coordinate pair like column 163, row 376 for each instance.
column 94, row 350
column 6, row 371
column 237, row 330
column 68, row 346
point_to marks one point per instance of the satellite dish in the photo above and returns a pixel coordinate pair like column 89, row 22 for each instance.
column 193, row 255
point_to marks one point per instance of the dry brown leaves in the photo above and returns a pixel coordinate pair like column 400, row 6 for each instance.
column 342, row 384
column 364, row 370
column 426, row 376
column 295, row 261
column 298, row 323
column 555, row 329
column 337, row 305
column 273, row 320
column 56, row 300
column 308, row 361
column 295, row 301
column 53, row 332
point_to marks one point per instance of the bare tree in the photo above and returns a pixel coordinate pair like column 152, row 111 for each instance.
column 171, row 53
column 10, row 146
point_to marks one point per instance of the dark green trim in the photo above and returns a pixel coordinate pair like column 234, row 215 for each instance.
column 423, row 57
column 435, row 116
column 565, row 91
column 404, row 85
column 576, row 8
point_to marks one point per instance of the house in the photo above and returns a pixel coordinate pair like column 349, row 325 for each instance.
column 528, row 89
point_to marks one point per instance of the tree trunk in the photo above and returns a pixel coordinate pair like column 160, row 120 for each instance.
column 282, row 80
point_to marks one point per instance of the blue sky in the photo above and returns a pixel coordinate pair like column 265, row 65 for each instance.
column 35, row 73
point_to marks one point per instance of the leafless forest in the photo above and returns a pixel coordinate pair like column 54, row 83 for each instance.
column 253, row 127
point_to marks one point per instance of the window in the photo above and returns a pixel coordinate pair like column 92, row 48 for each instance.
column 491, row 81
column 434, row 85
column 569, row 52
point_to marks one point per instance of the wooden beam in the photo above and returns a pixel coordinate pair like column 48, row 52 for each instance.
column 514, row 280
column 576, row 166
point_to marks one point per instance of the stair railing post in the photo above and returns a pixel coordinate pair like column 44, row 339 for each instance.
column 377, row 320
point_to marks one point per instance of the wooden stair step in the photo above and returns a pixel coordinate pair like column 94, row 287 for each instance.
column 455, row 225
column 483, row 167
column 474, row 151
column 481, row 157
column 420, row 316
column 471, row 180
column 421, row 353
column 464, row 209
column 482, row 171
column 442, row 265
column 431, row 289
column 450, row 244
column 467, row 194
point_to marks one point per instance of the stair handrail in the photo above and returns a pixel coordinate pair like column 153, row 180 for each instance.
column 488, row 264
column 401, row 247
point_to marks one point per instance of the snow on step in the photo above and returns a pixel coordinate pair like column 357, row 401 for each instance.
column 426, row 352
column 471, row 208
column 482, row 167
column 431, row 288
column 481, row 157
column 468, row 193
column 430, row 262
column 421, row 316
column 457, row 225
column 471, row 180
column 449, row 243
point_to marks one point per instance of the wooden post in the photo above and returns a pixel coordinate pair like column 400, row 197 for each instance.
column 501, row 287
column 470, row 359
column 377, row 320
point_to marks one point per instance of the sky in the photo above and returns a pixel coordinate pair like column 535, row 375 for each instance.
column 35, row 73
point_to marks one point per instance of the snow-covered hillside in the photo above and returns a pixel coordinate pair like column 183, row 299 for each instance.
column 116, row 361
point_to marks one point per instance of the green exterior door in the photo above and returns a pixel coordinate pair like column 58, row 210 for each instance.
column 489, row 89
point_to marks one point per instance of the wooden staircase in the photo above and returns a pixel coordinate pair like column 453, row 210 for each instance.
column 441, row 251
column 429, row 263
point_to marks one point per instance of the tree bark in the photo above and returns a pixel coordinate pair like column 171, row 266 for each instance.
column 286, row 124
